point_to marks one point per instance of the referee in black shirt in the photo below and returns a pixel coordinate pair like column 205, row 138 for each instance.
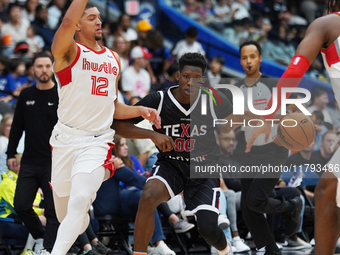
column 256, row 187
column 36, row 114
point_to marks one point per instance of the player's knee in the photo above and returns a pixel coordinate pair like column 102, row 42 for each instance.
column 207, row 224
column 79, row 202
column 150, row 199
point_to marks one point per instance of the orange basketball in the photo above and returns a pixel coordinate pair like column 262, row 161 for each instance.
column 296, row 131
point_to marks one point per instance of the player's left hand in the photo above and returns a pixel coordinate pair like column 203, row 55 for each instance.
column 151, row 115
column 265, row 129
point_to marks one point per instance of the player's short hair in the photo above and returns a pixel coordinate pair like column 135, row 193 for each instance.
column 192, row 59
column 256, row 44
column 42, row 54
column 88, row 6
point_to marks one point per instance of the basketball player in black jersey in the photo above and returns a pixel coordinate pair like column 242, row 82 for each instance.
column 193, row 134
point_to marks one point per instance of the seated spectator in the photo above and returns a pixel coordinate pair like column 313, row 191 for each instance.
column 144, row 149
column 143, row 27
column 214, row 73
column 7, row 85
column 55, row 10
column 189, row 44
column 278, row 48
column 160, row 60
column 127, row 31
column 40, row 22
column 28, row 12
column 322, row 156
column 335, row 113
column 224, row 15
column 192, row 9
column 21, row 52
column 319, row 103
column 15, row 30
column 241, row 8
column 19, row 75
column 5, row 127
column 226, row 143
column 135, row 79
column 320, row 128
column 34, row 41
column 172, row 76
column 237, row 34
column 311, row 9
column 7, row 192
column 176, row 4
column 120, row 46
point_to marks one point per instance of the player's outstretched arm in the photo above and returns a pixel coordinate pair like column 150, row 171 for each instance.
column 316, row 37
column 123, row 112
column 64, row 48
column 127, row 129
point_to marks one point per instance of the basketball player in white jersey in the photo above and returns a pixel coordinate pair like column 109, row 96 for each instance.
column 87, row 75
column 323, row 35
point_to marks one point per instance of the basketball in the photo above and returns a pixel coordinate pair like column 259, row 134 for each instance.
column 296, row 131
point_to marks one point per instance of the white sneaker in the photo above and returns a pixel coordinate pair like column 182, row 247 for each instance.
column 263, row 249
column 182, row 226
column 229, row 251
column 162, row 249
column 312, row 242
column 239, row 244
column 223, row 221
column 304, row 243
column 41, row 252
column 38, row 246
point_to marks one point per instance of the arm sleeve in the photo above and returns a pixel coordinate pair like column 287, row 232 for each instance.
column 296, row 69
column 17, row 127
column 151, row 101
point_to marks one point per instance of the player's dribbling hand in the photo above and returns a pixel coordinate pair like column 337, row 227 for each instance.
column 265, row 129
column 12, row 164
column 151, row 115
column 163, row 142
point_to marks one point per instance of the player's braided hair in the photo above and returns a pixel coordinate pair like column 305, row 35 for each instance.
column 192, row 59
column 330, row 5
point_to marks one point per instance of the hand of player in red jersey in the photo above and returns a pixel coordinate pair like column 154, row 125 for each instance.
column 265, row 129
column 151, row 115
column 163, row 142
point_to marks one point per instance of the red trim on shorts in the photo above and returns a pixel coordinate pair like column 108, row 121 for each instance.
column 108, row 163
column 65, row 75
column 331, row 54
column 50, row 185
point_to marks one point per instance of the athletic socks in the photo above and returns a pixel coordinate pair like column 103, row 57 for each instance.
column 139, row 253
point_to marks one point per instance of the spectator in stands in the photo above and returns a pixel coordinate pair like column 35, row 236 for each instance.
column 241, row 8
column 120, row 46
column 28, row 12
column 15, row 30
column 5, row 127
column 142, row 28
column 115, row 30
column 144, row 149
column 214, row 73
column 160, row 60
column 226, row 143
column 224, row 15
column 7, row 86
column 172, row 76
column 7, row 193
column 19, row 75
column 278, row 47
column 261, row 30
column 320, row 128
column 135, row 79
column 311, row 9
column 319, row 103
column 55, row 10
column 128, row 32
column 335, row 113
column 36, row 114
column 322, row 156
column 3, row 11
column 176, row 4
column 237, row 34
column 21, row 52
column 40, row 22
column 192, row 9
column 34, row 41
column 189, row 44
